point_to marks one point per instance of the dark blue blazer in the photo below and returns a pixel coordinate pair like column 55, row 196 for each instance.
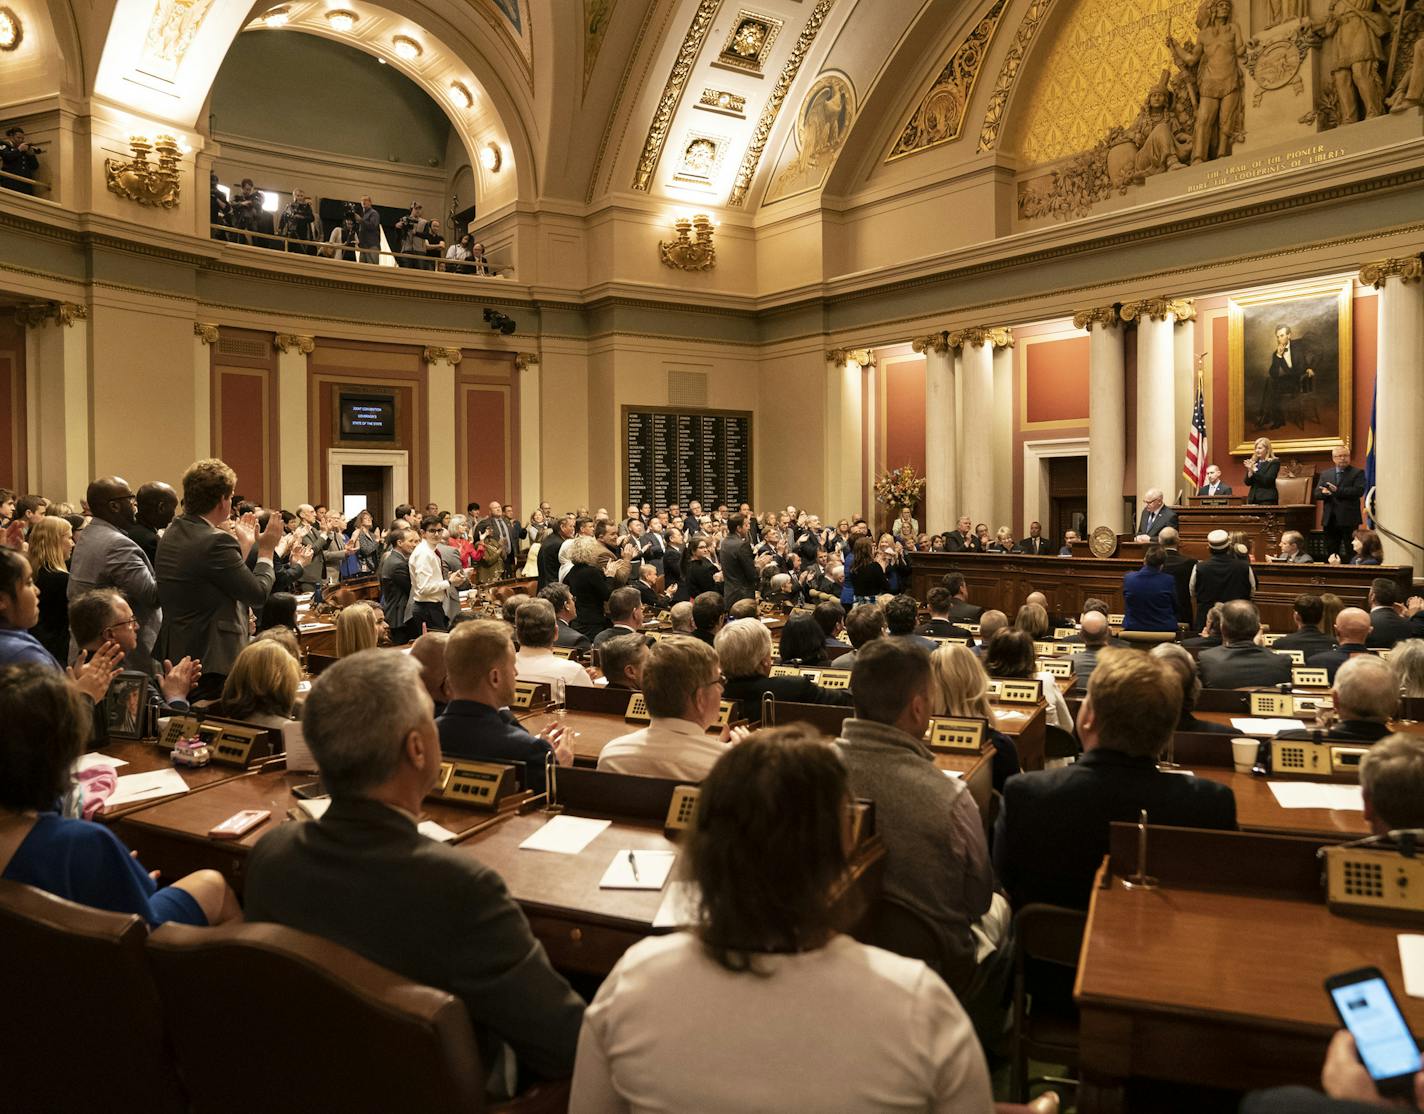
column 1151, row 600
column 469, row 729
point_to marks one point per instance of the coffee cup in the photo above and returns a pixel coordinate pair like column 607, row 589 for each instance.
column 1243, row 754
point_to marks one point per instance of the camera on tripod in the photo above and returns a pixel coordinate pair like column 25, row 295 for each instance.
column 499, row 322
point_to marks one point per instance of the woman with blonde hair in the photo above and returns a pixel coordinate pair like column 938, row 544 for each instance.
column 960, row 687
column 262, row 686
column 1262, row 468
column 1406, row 662
column 590, row 584
column 51, row 543
column 1332, row 605
column 1003, row 541
column 356, row 629
column 1033, row 619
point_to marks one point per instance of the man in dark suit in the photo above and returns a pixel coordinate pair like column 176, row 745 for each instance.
column 1052, row 831
column 500, row 530
column 739, row 574
column 745, row 651
column 1352, row 628
column 1307, row 637
column 830, row 617
column 1094, row 633
column 1156, row 515
column 1238, row 662
column 654, row 547
column 960, row 609
column 1387, row 625
column 958, row 538
column 1035, row 543
column 1290, row 370
column 1340, row 490
column 548, row 559
column 394, row 579
column 364, row 877
column 940, row 625
column 1213, row 485
column 1179, row 568
column 709, row 612
column 204, row 584
column 625, row 609
column 1150, row 595
column 157, row 504
column 562, row 601
column 900, row 615
column 1220, row 578
column 1366, row 698
column 692, row 522
column 1292, row 550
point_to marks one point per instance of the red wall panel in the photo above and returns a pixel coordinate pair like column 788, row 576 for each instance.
column 243, row 440
column 904, row 418
column 487, row 431
column 1056, row 380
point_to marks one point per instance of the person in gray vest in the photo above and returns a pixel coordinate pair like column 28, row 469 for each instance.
column 1220, row 578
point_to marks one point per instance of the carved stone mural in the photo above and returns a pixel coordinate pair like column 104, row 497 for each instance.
column 821, row 129
column 171, row 30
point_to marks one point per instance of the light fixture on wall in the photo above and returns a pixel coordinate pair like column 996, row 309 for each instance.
column 461, row 92
column 692, row 249
column 341, row 20
column 277, row 17
column 491, row 157
column 142, row 181
column 11, row 29
column 407, row 48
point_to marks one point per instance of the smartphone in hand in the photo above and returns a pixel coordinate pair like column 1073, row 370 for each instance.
column 1368, row 1010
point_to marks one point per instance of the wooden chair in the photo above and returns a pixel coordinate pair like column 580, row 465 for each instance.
column 335, row 1031
column 1047, row 940
column 1058, row 742
column 75, row 981
column 1295, row 489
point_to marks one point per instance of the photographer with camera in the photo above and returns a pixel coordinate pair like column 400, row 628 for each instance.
column 368, row 231
column 246, row 203
column 298, row 222
column 341, row 244
column 20, row 157
column 219, row 211
column 413, row 228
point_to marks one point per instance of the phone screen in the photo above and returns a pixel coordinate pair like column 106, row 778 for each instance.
column 1369, row 1011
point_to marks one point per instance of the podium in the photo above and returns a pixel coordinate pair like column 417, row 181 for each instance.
column 1262, row 523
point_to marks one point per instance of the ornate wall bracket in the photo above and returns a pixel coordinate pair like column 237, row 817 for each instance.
column 451, row 356
column 1158, row 309
column 287, row 341
column 979, row 335
column 140, row 180
column 938, row 342
column 208, row 334
column 61, row 313
column 692, row 249
column 1106, row 316
column 1410, row 268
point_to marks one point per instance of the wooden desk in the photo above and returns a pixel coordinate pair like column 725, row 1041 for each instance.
column 1262, row 524
column 1257, row 810
column 145, row 756
column 587, row 733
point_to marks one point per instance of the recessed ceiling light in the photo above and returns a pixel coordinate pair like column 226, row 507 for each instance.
column 341, row 19
column 491, row 156
column 277, row 17
column 11, row 29
column 461, row 92
column 407, row 48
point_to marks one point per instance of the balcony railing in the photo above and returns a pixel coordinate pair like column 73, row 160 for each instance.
column 341, row 252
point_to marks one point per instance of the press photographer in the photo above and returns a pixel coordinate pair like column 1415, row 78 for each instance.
column 219, row 211
column 298, row 223
column 20, row 157
column 412, row 228
column 342, row 242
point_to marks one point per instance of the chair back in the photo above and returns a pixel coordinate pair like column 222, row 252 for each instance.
column 1047, row 942
column 1295, row 489
column 75, row 978
column 897, row 928
column 336, row 1032
column 1058, row 742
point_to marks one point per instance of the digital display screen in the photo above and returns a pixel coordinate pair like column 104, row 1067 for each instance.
column 368, row 418
column 1385, row 1045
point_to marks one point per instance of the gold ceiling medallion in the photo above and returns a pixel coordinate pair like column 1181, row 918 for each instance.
column 145, row 182
column 719, row 100
column 747, row 171
column 672, row 93
column 12, row 31
column 940, row 116
column 701, row 159
column 693, row 249
column 749, row 44
column 1009, row 73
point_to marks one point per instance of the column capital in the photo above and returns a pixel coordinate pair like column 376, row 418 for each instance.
column 1158, row 309
column 937, row 342
column 980, row 335
column 523, row 361
column 1409, row 268
column 863, row 356
column 433, row 354
column 208, row 334
column 287, row 341
column 1106, row 316
column 37, row 314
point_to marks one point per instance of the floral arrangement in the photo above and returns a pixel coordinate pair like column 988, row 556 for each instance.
column 899, row 487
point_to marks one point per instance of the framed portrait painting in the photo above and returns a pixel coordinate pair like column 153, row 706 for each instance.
column 1290, row 367
column 126, row 706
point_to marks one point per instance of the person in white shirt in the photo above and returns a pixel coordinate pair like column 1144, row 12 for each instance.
column 682, row 684
column 536, row 629
column 428, row 583
column 771, row 846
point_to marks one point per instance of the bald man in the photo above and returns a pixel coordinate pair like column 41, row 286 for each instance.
column 1155, row 517
column 429, row 650
column 1366, row 697
column 1352, row 627
column 157, row 504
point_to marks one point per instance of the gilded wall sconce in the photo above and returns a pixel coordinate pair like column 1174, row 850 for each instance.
column 693, row 249
column 145, row 182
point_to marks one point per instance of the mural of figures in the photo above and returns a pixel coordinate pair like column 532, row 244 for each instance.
column 821, row 129
column 171, row 31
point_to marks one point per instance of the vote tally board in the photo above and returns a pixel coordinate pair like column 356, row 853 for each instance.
column 672, row 456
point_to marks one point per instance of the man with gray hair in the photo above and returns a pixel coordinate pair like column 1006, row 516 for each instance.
column 1238, row 662
column 1179, row 568
column 366, row 878
column 1366, row 698
column 1155, row 517
column 1392, row 783
column 1093, row 631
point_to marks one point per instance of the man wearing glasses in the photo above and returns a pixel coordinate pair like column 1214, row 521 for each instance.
column 428, row 584
column 106, row 557
column 103, row 618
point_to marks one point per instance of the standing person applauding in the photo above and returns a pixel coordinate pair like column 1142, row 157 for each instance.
column 1262, row 468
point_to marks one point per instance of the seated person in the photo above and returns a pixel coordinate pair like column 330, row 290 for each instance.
column 901, row 615
column 1210, row 633
column 991, row 623
column 960, row 687
column 939, row 624
column 477, row 723
column 1010, row 655
column 1055, row 620
column 1366, row 698
column 280, row 610
column 709, row 611
column 1387, row 625
column 768, row 854
column 682, row 684
column 742, row 609
column 357, row 629
column 1185, row 668
column 680, row 618
column 364, row 877
column 1307, row 637
column 536, row 629
column 1348, row 1086
column 429, row 651
column 1094, row 633
column 1052, row 831
column 625, row 610
column 102, row 616
column 1407, row 665
column 623, row 659
column 1352, row 628
column 1238, row 662
column 1092, row 603
column 47, row 724
column 562, row 601
column 745, row 652
column 20, row 611
column 1292, row 549
column 1032, row 619
column 936, row 856
column 802, row 642
column 261, row 687
column 865, row 623
column 1392, row 783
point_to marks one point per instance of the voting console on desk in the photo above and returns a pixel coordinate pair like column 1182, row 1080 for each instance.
column 957, row 734
column 231, row 743
column 1317, row 759
column 1374, row 880
column 494, row 786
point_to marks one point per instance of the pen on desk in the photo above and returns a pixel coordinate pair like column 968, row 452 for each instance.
column 634, row 864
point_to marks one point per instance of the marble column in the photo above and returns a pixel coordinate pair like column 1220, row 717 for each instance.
column 1002, row 436
column 1158, row 465
column 57, row 380
column 530, row 388
column 941, row 435
column 205, row 339
column 976, row 477
column 845, row 434
column 439, row 484
column 1107, row 422
column 1399, row 408
column 295, row 485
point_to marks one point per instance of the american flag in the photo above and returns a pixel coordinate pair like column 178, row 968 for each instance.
column 1194, row 466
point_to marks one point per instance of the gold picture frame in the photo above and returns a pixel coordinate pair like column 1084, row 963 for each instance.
column 1300, row 408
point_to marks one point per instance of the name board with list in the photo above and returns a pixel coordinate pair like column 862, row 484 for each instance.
column 673, row 456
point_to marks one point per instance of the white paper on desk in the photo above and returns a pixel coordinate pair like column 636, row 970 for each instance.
column 565, row 835
column 679, row 907
column 299, row 755
column 431, row 830
column 1317, row 794
column 142, row 787
column 315, row 807
column 653, row 869
column 1411, row 958
column 1249, row 726
column 85, row 761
